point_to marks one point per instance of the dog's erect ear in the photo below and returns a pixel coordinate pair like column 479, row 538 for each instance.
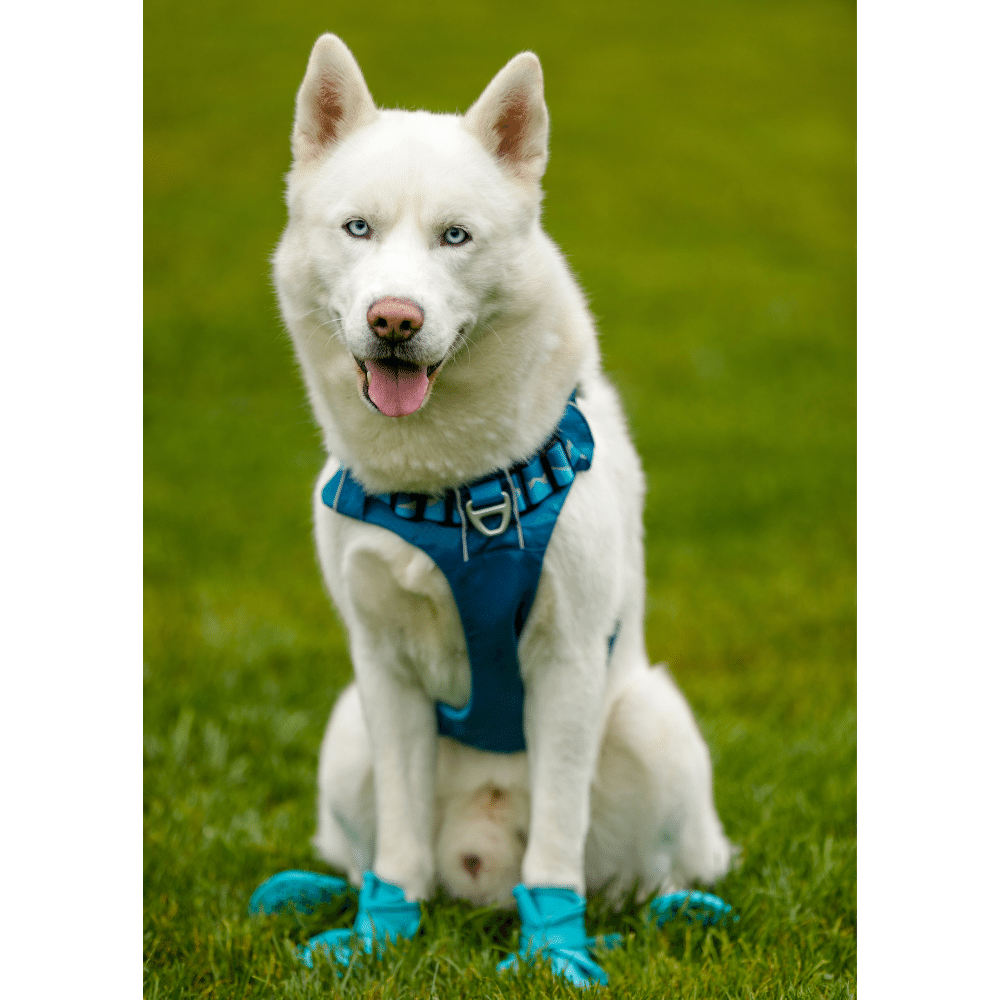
column 510, row 118
column 332, row 102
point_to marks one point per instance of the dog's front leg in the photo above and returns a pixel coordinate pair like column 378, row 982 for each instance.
column 562, row 720
column 401, row 725
column 403, row 732
column 564, row 688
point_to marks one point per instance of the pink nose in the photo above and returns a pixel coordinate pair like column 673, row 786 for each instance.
column 395, row 319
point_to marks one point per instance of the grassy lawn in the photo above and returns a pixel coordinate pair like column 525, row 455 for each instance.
column 701, row 182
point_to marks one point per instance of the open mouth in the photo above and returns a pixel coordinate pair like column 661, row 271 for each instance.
column 395, row 387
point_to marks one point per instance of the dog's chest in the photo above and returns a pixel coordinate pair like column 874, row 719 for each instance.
column 402, row 605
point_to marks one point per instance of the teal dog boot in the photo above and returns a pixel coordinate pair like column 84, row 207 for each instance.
column 303, row 891
column 701, row 906
column 383, row 913
column 552, row 923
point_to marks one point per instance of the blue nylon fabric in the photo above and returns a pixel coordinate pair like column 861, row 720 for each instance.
column 494, row 588
column 552, row 924
column 383, row 914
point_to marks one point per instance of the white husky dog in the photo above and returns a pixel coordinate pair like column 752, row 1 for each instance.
column 440, row 334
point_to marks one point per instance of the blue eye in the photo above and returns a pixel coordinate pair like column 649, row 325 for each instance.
column 358, row 227
column 456, row 236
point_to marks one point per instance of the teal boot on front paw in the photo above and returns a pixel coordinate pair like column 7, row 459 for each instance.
column 552, row 923
column 383, row 913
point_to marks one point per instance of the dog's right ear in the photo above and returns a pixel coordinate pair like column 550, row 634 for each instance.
column 332, row 102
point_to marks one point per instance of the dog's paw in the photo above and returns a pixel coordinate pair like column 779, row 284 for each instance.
column 303, row 891
column 337, row 943
column 701, row 906
column 574, row 964
column 383, row 914
column 552, row 925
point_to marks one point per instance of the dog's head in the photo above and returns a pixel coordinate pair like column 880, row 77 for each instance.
column 405, row 219
column 414, row 254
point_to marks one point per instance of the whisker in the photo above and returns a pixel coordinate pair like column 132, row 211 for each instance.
column 495, row 334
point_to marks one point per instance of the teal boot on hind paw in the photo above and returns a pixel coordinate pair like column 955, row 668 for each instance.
column 383, row 913
column 303, row 891
column 701, row 906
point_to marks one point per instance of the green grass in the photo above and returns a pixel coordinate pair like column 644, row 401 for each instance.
column 701, row 182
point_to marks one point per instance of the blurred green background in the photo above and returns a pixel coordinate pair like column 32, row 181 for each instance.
column 701, row 184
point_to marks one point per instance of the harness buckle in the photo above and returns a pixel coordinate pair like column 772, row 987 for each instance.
column 476, row 516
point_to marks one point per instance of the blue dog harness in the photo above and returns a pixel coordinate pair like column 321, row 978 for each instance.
column 493, row 569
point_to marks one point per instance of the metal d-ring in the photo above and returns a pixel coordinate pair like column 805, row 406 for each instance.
column 476, row 516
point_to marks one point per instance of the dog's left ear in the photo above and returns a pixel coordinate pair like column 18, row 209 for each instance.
column 510, row 118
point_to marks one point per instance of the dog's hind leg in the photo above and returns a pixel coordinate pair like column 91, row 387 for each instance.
column 345, row 835
column 653, row 815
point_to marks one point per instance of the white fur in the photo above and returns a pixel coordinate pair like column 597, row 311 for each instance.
column 616, row 784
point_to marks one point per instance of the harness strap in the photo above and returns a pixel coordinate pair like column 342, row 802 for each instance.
column 533, row 482
column 489, row 539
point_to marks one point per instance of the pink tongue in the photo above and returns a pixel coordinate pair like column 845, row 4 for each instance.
column 396, row 392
